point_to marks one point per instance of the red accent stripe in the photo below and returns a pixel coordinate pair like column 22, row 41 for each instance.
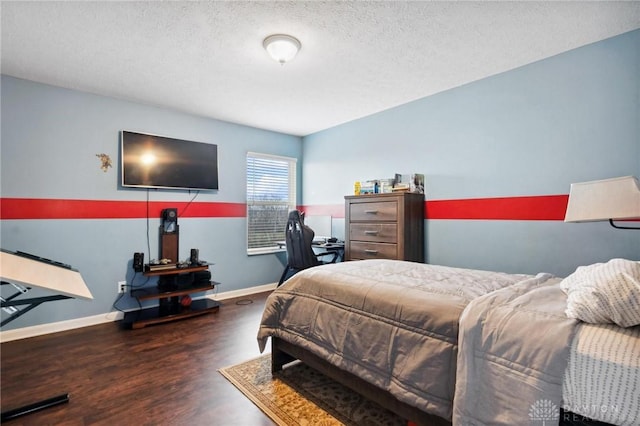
column 35, row 208
column 544, row 207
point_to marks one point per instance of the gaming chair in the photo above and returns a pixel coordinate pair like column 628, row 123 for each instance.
column 299, row 240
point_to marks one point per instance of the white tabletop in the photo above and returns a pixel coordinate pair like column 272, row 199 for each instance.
column 33, row 273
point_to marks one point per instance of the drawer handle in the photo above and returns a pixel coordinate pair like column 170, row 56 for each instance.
column 371, row 232
column 369, row 251
column 371, row 211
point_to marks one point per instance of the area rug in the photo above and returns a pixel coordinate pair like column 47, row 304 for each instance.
column 299, row 395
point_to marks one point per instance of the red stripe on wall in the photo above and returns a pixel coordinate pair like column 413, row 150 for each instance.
column 38, row 208
column 544, row 207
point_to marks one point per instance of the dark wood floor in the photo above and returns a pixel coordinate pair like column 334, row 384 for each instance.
column 160, row 375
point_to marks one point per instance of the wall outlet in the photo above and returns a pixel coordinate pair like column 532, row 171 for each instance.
column 122, row 286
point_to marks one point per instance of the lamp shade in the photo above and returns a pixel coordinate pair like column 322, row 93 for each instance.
column 617, row 198
column 281, row 47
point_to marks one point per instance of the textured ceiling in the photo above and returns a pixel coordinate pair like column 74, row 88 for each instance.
column 357, row 58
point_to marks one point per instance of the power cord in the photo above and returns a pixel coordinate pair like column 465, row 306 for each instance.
column 184, row 209
column 131, row 288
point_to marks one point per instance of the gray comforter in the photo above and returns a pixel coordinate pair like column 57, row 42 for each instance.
column 392, row 323
column 514, row 346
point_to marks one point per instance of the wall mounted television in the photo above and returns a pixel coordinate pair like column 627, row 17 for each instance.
column 150, row 161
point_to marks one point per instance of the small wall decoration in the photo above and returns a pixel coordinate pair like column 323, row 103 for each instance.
column 105, row 160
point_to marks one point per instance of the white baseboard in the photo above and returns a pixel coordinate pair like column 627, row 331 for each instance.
column 54, row 327
column 243, row 292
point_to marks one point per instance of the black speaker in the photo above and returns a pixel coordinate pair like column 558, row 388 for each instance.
column 170, row 215
column 201, row 277
column 169, row 221
column 194, row 256
column 138, row 262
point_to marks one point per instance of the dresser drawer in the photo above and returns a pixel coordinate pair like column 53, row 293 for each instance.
column 364, row 250
column 384, row 211
column 376, row 232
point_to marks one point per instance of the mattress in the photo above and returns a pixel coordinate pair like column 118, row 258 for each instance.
column 602, row 379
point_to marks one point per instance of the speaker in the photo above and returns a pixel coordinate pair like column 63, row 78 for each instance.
column 170, row 215
column 201, row 277
column 169, row 220
column 195, row 256
column 138, row 262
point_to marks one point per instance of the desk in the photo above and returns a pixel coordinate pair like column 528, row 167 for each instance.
column 336, row 248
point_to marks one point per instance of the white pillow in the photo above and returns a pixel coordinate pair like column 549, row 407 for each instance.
column 605, row 293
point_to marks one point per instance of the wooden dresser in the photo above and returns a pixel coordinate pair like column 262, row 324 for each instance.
column 385, row 226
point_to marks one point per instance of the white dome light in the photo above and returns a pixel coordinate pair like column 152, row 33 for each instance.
column 282, row 48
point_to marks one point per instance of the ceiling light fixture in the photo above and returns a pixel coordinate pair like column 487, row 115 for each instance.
column 282, row 48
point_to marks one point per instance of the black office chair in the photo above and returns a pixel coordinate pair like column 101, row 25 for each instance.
column 299, row 242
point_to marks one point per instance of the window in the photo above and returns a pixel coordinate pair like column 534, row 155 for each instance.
column 271, row 194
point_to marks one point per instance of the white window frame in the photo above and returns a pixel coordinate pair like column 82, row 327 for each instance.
column 286, row 205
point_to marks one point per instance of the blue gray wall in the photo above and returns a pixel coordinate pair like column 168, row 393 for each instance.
column 527, row 132
column 50, row 138
column 531, row 131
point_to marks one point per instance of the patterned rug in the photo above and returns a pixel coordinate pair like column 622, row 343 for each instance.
column 299, row 395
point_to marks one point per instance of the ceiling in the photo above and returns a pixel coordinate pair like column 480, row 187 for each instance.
column 357, row 58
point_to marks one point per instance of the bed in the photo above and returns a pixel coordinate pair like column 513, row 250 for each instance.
column 390, row 330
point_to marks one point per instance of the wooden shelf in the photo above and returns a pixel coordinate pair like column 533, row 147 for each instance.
column 174, row 285
column 155, row 293
column 174, row 270
column 155, row 315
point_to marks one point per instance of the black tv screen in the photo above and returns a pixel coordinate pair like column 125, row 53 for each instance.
column 150, row 161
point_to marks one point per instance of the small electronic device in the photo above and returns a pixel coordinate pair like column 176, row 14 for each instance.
column 169, row 220
column 194, row 256
column 40, row 259
column 138, row 262
column 201, row 277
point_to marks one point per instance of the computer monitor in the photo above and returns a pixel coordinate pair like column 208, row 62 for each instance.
column 321, row 226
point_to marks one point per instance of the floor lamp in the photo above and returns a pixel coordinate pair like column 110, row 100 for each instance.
column 607, row 199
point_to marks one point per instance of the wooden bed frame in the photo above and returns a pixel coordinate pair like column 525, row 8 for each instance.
column 283, row 353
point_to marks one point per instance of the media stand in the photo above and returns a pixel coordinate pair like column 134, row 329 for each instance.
column 174, row 283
